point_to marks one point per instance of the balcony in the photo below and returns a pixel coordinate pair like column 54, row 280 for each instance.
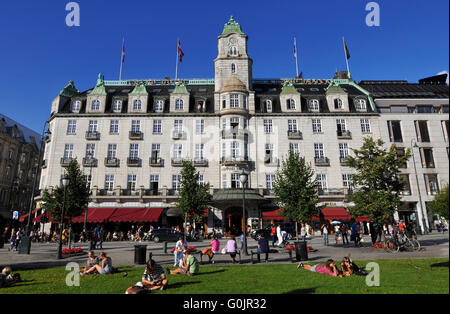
column 172, row 192
column 90, row 162
column 343, row 161
column 234, row 161
column 112, row 162
column 153, row 192
column 135, row 135
column 92, row 135
column 295, row 135
column 234, row 133
column 66, row 161
column 177, row 135
column 344, row 135
column 177, row 162
column 105, row 192
column 268, row 192
column 334, row 192
column 133, row 162
column 129, row 192
column 322, row 161
column 200, row 162
column 156, row 162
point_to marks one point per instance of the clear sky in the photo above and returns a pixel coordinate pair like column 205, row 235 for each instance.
column 39, row 54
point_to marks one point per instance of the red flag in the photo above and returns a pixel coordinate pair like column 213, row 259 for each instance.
column 180, row 52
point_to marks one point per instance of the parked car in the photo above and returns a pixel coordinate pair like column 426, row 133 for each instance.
column 167, row 234
column 289, row 227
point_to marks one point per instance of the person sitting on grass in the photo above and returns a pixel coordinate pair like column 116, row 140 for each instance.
column 91, row 262
column 154, row 277
column 7, row 279
column 329, row 269
column 190, row 266
column 104, row 269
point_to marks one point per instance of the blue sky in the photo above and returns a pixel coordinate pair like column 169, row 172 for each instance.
column 39, row 54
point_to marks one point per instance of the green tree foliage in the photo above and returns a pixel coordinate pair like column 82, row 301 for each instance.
column 296, row 189
column 194, row 196
column 377, row 187
column 439, row 205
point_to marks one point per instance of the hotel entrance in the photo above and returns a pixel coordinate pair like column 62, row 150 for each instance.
column 233, row 221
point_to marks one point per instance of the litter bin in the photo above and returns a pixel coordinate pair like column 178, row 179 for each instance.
column 301, row 251
column 140, row 253
column 24, row 245
column 2, row 242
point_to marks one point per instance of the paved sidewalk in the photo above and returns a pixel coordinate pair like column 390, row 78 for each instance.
column 122, row 253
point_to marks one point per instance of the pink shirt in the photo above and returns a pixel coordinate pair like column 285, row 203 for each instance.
column 322, row 269
column 215, row 245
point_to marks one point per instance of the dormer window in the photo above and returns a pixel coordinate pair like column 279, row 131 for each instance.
column 290, row 104
column 117, row 106
column 137, row 104
column 338, row 103
column 269, row 105
column 233, row 68
column 361, row 105
column 76, row 105
column 233, row 51
column 234, row 100
column 179, row 104
column 95, row 106
column 314, row 105
column 159, row 105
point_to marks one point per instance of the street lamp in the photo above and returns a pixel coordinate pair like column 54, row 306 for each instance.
column 243, row 177
column 90, row 155
column 418, row 186
column 65, row 182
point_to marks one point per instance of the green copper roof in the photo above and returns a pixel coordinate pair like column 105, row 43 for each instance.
column 334, row 88
column 232, row 27
column 180, row 89
column 100, row 87
column 139, row 89
column 70, row 90
column 288, row 88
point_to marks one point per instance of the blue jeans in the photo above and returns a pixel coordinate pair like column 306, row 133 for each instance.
column 325, row 238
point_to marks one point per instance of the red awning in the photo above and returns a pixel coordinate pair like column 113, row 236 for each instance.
column 362, row 218
column 136, row 215
column 95, row 215
column 334, row 213
column 22, row 219
column 38, row 218
column 273, row 215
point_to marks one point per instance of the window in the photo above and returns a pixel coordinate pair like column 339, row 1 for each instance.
column 444, row 109
column 290, row 104
column 424, row 109
column 114, row 127
column 245, row 123
column 177, row 151
column 134, row 151
column 68, row 151
column 176, row 181
column 321, row 181
column 267, row 126
column 268, row 153
column 112, row 151
column 365, row 126
column 135, row 126
column 292, row 125
column 294, row 147
column 90, row 151
column 235, row 149
column 224, row 102
column 76, row 106
column 201, row 179
column 347, row 180
column 235, row 182
column 109, row 182
column 72, row 127
column 404, row 179
column 233, row 68
column 117, row 106
column 200, row 126
column 234, row 100
column 270, row 179
column 95, row 106
column 341, row 126
column 317, row 125
column 314, row 105
column 343, row 150
column 224, row 181
column 395, row 131
column 422, row 131
column 157, row 129
column 178, row 125
column 154, row 182
column 431, row 183
column 361, row 105
column 233, row 51
column 179, row 104
column 199, row 151
column 137, row 104
column 93, row 126
column 159, row 105
column 400, row 153
column 224, row 124
column 268, row 105
column 318, row 150
column 156, row 152
column 244, row 101
column 445, row 127
column 234, row 122
column 131, row 182
column 426, row 156
column 338, row 103
column 224, row 149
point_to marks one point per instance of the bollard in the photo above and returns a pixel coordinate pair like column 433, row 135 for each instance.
column 165, row 247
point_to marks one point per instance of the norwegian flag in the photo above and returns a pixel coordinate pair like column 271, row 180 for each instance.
column 123, row 51
column 180, row 52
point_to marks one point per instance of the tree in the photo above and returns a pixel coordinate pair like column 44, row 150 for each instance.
column 376, row 183
column 439, row 205
column 194, row 196
column 296, row 189
column 77, row 197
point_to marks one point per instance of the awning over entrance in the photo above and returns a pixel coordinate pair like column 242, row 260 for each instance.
column 334, row 213
column 273, row 215
column 136, row 215
column 95, row 215
column 225, row 198
column 22, row 218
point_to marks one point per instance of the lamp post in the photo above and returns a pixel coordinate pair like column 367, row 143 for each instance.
column 243, row 177
column 65, row 182
column 425, row 231
column 90, row 155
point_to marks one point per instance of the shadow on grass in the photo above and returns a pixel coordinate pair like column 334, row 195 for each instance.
column 181, row 284
column 211, row 272
column 443, row 264
column 302, row 291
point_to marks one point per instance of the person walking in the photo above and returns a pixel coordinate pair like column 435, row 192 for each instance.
column 355, row 234
column 279, row 235
column 303, row 232
column 325, row 234
column 344, row 232
column 272, row 235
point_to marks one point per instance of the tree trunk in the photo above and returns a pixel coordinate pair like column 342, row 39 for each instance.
column 70, row 234
column 296, row 230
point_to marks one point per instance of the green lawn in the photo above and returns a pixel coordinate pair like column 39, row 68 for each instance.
column 396, row 276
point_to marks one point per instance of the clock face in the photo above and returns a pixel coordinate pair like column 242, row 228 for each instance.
column 233, row 41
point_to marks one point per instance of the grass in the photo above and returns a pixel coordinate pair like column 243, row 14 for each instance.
column 406, row 276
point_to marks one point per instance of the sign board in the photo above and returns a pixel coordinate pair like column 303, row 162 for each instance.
column 15, row 215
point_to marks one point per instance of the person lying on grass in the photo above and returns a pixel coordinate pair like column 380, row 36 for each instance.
column 154, row 277
column 190, row 266
column 7, row 279
column 350, row 268
column 105, row 267
column 329, row 269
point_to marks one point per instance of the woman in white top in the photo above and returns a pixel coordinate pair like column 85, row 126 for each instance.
column 279, row 235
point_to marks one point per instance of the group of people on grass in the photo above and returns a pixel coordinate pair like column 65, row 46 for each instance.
column 101, row 264
column 348, row 268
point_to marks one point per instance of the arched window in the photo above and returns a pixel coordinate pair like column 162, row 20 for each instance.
column 179, row 104
column 117, row 106
column 233, row 51
column 361, row 105
column 314, row 105
column 269, row 105
column 233, row 68
column 95, row 105
column 137, row 104
column 290, row 104
column 338, row 103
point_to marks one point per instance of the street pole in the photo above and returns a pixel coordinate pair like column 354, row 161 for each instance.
column 425, row 231
column 90, row 183
column 243, row 178
column 65, row 182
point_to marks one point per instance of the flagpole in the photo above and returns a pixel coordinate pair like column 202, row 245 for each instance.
column 176, row 68
column 346, row 59
column 121, row 59
column 296, row 59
